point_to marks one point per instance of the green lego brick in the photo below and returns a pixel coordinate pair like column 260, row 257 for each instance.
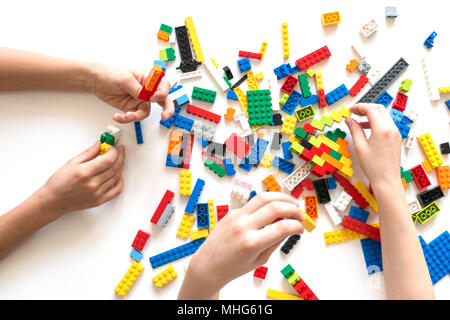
column 304, row 85
column 165, row 28
column 259, row 107
column 335, row 155
column 296, row 148
column 405, row 86
column 163, row 55
column 227, row 81
column 216, row 168
column 283, row 99
column 287, row 271
column 406, row 174
column 204, row 94
column 317, row 124
column 304, row 113
column 326, row 120
column 338, row 133
column 428, row 212
column 108, row 138
column 170, row 52
column 299, row 132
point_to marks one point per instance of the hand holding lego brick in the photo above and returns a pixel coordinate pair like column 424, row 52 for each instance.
column 242, row 241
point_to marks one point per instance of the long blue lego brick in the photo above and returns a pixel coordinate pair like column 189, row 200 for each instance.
column 183, row 123
column 282, row 165
column 309, row 101
column 372, row 255
column 258, row 151
column 176, row 253
column 138, row 130
column 287, row 154
column 436, row 269
column 169, row 122
column 337, row 94
column 292, row 102
column 193, row 199
column 359, row 214
column 441, row 247
column 284, row 70
column 202, row 215
column 175, row 88
column 229, row 166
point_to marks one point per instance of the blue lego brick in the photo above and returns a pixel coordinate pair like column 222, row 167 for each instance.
column 287, row 154
column 358, row 214
column 195, row 194
column 244, row 64
column 245, row 164
column 405, row 120
column 169, row 122
column 136, row 255
column 292, row 70
column 183, row 123
column 257, row 151
column 232, row 95
column 284, row 70
column 292, row 102
column 441, row 247
column 173, row 161
column 252, row 195
column 397, row 115
column 337, row 94
column 447, row 103
column 229, row 167
column 162, row 64
column 429, row 42
column 331, row 182
column 436, row 269
column 309, row 101
column 404, row 130
column 282, row 165
column 175, row 87
column 202, row 215
column 385, row 99
column 182, row 100
column 138, row 130
column 203, row 142
column 372, row 255
column 176, row 253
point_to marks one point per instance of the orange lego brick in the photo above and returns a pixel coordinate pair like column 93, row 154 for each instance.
column 443, row 177
column 153, row 78
column 343, row 149
column 352, row 65
column 331, row 18
column 271, row 183
column 427, row 165
column 335, row 163
column 163, row 35
column 230, row 113
column 311, row 206
column 175, row 143
column 404, row 183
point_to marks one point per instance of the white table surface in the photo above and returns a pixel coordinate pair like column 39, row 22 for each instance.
column 85, row 254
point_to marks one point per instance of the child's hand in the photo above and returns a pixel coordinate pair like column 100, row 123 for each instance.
column 86, row 181
column 380, row 155
column 120, row 87
column 242, row 241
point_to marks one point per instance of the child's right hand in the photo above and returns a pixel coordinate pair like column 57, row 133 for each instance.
column 242, row 241
column 86, row 181
column 380, row 155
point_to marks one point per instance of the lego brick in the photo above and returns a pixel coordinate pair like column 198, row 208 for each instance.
column 266, row 160
column 107, row 138
column 276, row 141
column 331, row 182
column 166, row 215
column 185, row 225
column 351, row 66
column 289, row 84
column 430, row 150
column 420, row 177
column 164, row 277
column 230, row 113
column 351, row 190
column 237, row 145
column 372, row 255
column 285, row 39
column 251, row 81
column 342, row 201
column 104, row 147
column 260, row 272
column 359, row 84
column 307, row 183
column 183, row 123
column 286, row 153
column 308, row 223
column 322, row 99
column 405, row 85
column 282, row 165
column 297, row 282
column 140, row 240
column 297, row 191
column 291, row 102
column 390, row 12
column 313, row 58
column 304, row 102
column 384, row 99
column 361, row 227
column 385, row 81
column 358, row 214
column 217, row 75
column 426, row 213
column 215, row 167
column 429, row 41
column 187, row 61
column 414, row 207
column 271, row 183
column 204, row 94
column 176, row 253
column 136, row 255
column 290, row 243
column 185, row 183
column 366, row 195
column 331, row 18
column 444, row 89
column 259, row 106
column 445, row 148
column 194, row 196
column 251, row 55
column 195, row 43
column 212, row 215
column 202, row 215
column 304, row 85
column 341, row 235
column 304, row 113
column 334, row 216
column 297, row 176
column 400, row 101
column 229, row 167
column 436, row 269
column 221, row 211
column 289, row 125
column 443, row 177
column 280, row 295
column 441, row 247
column 369, row 28
column 433, row 93
column 244, row 65
column 257, row 151
column 311, row 206
column 323, row 196
column 129, row 278
column 319, row 81
column 430, row 195
column 168, row 196
column 337, row 94
column 138, row 131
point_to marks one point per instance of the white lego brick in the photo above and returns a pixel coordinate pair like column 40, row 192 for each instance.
column 172, row 38
column 114, row 131
column 216, row 74
column 241, row 191
column 189, row 75
column 240, row 116
column 298, row 175
column 373, row 75
column 334, row 216
column 411, row 114
column 274, row 92
column 433, row 91
column 409, row 142
column 369, row 28
column 414, row 206
column 342, row 201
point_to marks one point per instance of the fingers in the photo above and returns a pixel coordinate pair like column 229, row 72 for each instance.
column 357, row 132
column 274, row 233
column 131, row 85
column 107, row 174
column 88, row 154
column 262, row 199
column 168, row 109
column 162, row 98
column 100, row 163
column 110, row 182
column 275, row 210
column 373, row 112
column 113, row 192
column 142, row 111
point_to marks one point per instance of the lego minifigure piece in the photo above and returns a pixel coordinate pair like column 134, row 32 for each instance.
column 430, row 150
column 260, row 272
column 390, row 12
column 445, row 148
column 369, row 28
column 285, row 38
column 313, row 58
column 331, row 18
column 129, row 278
column 168, row 196
column 280, row 295
column 290, row 243
column 221, row 211
column 164, row 277
column 176, row 253
column 372, row 255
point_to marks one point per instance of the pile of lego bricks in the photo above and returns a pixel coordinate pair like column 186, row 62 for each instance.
column 312, row 149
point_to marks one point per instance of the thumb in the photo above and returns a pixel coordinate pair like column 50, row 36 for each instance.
column 357, row 132
column 88, row 154
column 132, row 86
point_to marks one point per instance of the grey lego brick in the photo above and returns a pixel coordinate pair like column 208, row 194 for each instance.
column 167, row 213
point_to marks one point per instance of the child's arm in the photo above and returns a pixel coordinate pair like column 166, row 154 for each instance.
column 86, row 181
column 405, row 271
column 242, row 241
column 119, row 87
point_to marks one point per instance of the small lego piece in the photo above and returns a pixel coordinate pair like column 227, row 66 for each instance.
column 129, row 278
column 400, row 101
column 285, row 38
column 104, row 147
column 414, row 207
column 175, row 253
column 358, row 214
column 334, row 216
column 290, row 243
column 244, row 64
column 429, row 42
column 359, row 84
column 331, row 18
column 304, row 113
column 299, row 285
column 420, row 177
column 292, row 102
column 426, row 213
column 430, row 150
column 193, row 199
column 252, row 55
column 289, row 84
column 445, row 148
column 138, row 130
column 369, row 28
column 352, row 65
column 221, row 211
column 331, row 182
column 164, row 277
column 168, row 196
column 271, row 183
column 405, row 85
column 260, row 272
column 185, row 183
column 323, row 196
column 288, row 125
column 308, row 223
column 164, row 32
column 372, row 255
column 230, row 113
column 140, row 240
column 390, row 12
column 136, row 255
column 263, row 49
column 385, row 99
column 200, row 233
column 430, row 195
column 342, row 201
column 311, row 206
column 185, row 225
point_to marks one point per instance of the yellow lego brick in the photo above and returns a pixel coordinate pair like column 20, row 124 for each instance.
column 296, row 148
column 289, row 125
column 212, row 215
column 259, row 76
column 317, row 124
column 185, row 225
column 344, row 235
column 335, row 116
column 310, row 72
column 427, row 165
column 443, row 177
column 444, row 90
column 315, row 141
column 366, row 195
column 335, row 163
column 343, row 111
column 263, row 49
column 326, row 120
column 294, row 138
column 331, row 18
column 308, row 223
column 195, row 43
column 271, row 183
column 164, row 277
column 430, row 150
column 200, row 233
column 129, row 278
column 214, row 63
column 280, row 295
column 252, row 84
column 345, row 161
column 285, row 35
column 328, row 142
column 293, row 278
column 317, row 160
column 185, row 183
column 346, row 171
column 319, row 81
column 284, row 98
column 266, row 160
column 242, row 97
column 104, row 147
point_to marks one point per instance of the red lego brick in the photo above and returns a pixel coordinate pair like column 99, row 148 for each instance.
column 289, row 84
column 322, row 100
column 140, row 240
column 351, row 190
column 329, row 168
column 146, row 93
column 205, row 114
column 420, row 177
column 307, row 183
column 311, row 206
column 297, row 191
column 237, row 145
column 260, row 272
column 309, row 128
column 324, row 148
column 361, row 228
column 251, row 55
column 318, row 171
column 307, row 155
column 313, row 58
column 221, row 211
column 187, row 157
column 358, row 85
column 400, row 101
column 168, row 196
column 304, row 291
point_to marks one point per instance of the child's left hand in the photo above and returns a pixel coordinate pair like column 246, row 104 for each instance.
column 119, row 87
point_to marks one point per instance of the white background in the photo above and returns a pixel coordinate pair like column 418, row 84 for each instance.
column 85, row 254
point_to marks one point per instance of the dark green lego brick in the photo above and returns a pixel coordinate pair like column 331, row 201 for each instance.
column 108, row 138
column 227, row 81
column 406, row 174
column 335, row 155
column 165, row 28
column 299, row 132
column 204, row 94
column 304, row 113
column 304, row 85
column 259, row 107
column 216, row 168
column 287, row 271
column 170, row 52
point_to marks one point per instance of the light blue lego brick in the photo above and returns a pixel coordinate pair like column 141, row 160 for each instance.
column 245, row 164
column 175, row 87
column 287, row 154
column 358, row 213
column 229, row 167
column 441, row 247
column 244, row 64
column 203, row 142
column 232, row 95
column 258, row 151
column 384, row 99
column 169, row 122
column 138, row 131
column 309, row 101
column 202, row 215
column 331, row 182
column 183, row 123
column 160, row 63
column 182, row 100
column 195, row 194
column 397, row 115
column 372, row 255
column 405, row 120
column 176, row 253
column 292, row 102
column 436, row 269
column 282, row 165
column 252, row 195
column 337, row 94
column 136, row 255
